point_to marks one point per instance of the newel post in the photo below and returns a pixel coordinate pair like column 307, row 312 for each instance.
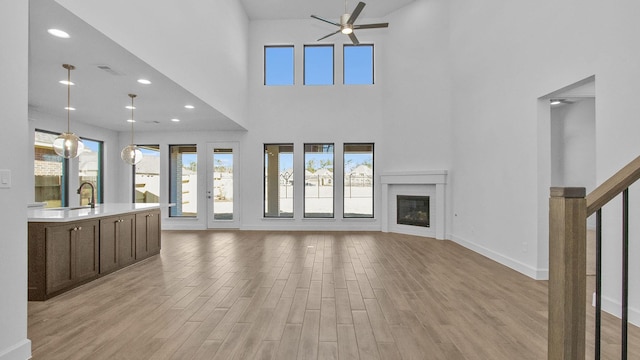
column 567, row 273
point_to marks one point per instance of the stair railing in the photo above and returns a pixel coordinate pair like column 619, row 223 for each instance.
column 568, row 212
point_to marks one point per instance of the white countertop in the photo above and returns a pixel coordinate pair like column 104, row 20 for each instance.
column 84, row 213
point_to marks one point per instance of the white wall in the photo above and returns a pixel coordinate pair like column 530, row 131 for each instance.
column 404, row 113
column 14, row 30
column 505, row 56
column 573, row 140
column 187, row 40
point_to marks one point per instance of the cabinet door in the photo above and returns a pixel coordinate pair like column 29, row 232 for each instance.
column 86, row 250
column 59, row 261
column 142, row 247
column 109, row 244
column 126, row 240
column 147, row 234
column 153, row 232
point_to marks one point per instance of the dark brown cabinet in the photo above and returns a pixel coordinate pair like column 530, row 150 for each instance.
column 147, row 234
column 117, row 242
column 70, row 253
column 65, row 255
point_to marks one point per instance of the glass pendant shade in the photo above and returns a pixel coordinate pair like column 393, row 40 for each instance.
column 68, row 145
column 131, row 155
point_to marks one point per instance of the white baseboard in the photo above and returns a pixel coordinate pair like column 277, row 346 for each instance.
column 310, row 226
column 614, row 307
column 534, row 273
column 19, row 351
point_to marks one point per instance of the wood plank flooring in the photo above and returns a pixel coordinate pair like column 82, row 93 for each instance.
column 303, row 295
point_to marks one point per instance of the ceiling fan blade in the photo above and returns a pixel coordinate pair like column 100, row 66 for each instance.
column 354, row 39
column 356, row 12
column 326, row 36
column 371, row 26
column 325, row 20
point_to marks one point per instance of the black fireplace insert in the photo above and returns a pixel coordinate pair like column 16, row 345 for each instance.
column 413, row 210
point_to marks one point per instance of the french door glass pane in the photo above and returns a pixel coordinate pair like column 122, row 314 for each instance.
column 358, row 180
column 318, row 180
column 278, row 180
column 146, row 187
column 50, row 171
column 223, row 184
column 183, row 184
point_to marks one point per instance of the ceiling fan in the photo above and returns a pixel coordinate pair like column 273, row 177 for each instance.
column 347, row 25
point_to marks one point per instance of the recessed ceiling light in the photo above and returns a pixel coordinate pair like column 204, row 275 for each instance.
column 189, row 107
column 65, row 82
column 556, row 101
column 131, row 120
column 70, row 108
column 175, row 120
column 144, row 81
column 58, row 33
column 130, row 107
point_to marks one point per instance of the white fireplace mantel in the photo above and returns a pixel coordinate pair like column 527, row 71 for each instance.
column 437, row 178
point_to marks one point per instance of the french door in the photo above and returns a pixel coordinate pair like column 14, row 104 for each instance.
column 222, row 185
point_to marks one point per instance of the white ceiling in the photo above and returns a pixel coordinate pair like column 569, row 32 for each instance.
column 329, row 9
column 100, row 97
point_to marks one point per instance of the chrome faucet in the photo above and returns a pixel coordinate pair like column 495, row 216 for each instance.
column 92, row 203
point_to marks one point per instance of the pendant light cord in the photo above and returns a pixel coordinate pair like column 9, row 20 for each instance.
column 68, row 98
column 132, row 119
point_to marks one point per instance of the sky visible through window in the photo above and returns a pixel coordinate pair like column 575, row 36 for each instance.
column 358, row 65
column 278, row 65
column 318, row 65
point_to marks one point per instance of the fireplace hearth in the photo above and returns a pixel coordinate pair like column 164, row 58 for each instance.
column 413, row 210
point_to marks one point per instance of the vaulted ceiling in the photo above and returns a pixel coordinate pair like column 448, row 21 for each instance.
column 100, row 95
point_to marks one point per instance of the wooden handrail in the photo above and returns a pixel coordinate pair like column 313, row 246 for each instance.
column 613, row 186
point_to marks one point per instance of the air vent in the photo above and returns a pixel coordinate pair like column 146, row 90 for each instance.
column 108, row 69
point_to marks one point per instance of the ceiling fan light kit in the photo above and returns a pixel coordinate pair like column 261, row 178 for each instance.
column 347, row 25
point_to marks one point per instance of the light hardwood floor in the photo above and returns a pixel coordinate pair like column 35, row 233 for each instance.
column 303, row 295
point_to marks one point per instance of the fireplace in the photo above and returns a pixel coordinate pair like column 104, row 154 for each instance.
column 413, row 210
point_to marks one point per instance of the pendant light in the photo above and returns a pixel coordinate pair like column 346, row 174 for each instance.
column 131, row 154
column 67, row 144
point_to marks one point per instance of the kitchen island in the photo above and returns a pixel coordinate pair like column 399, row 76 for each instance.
column 68, row 247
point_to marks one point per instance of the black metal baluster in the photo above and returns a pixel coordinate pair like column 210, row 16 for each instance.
column 598, row 281
column 625, row 269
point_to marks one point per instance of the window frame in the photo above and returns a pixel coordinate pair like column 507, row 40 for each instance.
column 64, row 185
column 333, row 64
column 344, row 67
column 264, row 182
column 133, row 173
column 333, row 185
column 174, row 208
column 293, row 64
column 373, row 193
column 100, row 178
